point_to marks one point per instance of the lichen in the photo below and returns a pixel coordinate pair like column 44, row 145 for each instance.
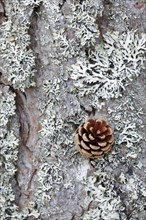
column 17, row 69
column 106, row 202
column 128, row 126
column 17, row 57
column 109, row 205
column 7, row 105
column 111, row 66
column 101, row 72
column 81, row 28
column 56, row 137
column 83, row 21
column 50, row 176
column 124, row 158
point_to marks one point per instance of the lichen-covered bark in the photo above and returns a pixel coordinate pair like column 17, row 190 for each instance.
column 62, row 62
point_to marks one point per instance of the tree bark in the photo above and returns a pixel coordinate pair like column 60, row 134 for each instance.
column 43, row 174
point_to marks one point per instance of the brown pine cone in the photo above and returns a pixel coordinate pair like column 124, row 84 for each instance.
column 94, row 138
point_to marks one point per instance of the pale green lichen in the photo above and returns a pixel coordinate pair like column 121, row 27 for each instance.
column 9, row 151
column 101, row 191
column 50, row 173
column 50, row 123
column 9, row 156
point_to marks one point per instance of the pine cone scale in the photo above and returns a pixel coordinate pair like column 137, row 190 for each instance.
column 102, row 137
column 109, row 139
column 86, row 153
column 84, row 145
column 97, row 153
column 94, row 147
column 106, row 148
column 86, row 126
column 85, row 137
column 81, row 131
column 91, row 137
column 102, row 130
column 109, row 131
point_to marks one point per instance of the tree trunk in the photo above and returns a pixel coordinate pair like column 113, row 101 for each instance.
column 63, row 62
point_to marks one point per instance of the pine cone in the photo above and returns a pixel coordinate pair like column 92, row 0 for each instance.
column 94, row 138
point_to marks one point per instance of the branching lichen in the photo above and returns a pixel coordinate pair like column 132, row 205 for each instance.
column 109, row 68
column 124, row 158
column 107, row 202
column 128, row 126
column 17, row 57
column 17, row 69
column 50, row 176
column 81, row 28
column 83, row 21
column 7, row 105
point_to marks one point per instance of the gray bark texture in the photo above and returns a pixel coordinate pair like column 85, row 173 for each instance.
column 61, row 63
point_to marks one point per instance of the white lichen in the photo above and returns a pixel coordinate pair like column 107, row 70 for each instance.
column 128, row 124
column 107, row 202
column 111, row 66
column 9, row 151
column 129, row 135
column 17, row 57
column 83, row 21
column 81, row 30
column 134, row 186
column 50, row 124
column 50, row 176
column 17, row 69
column 7, row 105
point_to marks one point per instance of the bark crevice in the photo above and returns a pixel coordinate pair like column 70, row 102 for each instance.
column 28, row 138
